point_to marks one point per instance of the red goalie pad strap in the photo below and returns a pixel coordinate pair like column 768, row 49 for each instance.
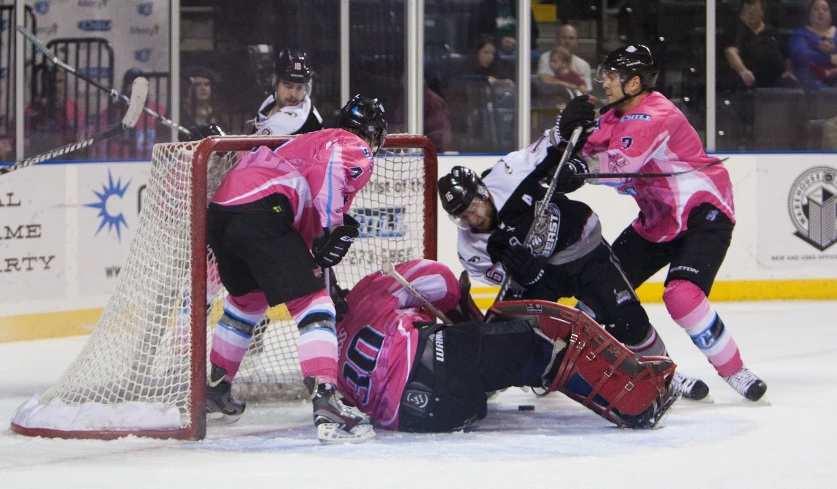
column 611, row 369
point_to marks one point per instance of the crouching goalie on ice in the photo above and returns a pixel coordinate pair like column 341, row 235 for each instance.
column 409, row 373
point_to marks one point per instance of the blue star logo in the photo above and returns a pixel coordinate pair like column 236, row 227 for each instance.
column 111, row 189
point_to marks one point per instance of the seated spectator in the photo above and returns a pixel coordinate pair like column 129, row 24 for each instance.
column 560, row 61
column 53, row 119
column 484, row 61
column 498, row 18
column 754, row 53
column 812, row 48
column 437, row 125
column 197, row 102
column 567, row 39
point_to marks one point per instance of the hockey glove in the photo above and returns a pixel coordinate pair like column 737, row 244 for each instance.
column 202, row 131
column 333, row 245
column 569, row 178
column 525, row 268
column 579, row 112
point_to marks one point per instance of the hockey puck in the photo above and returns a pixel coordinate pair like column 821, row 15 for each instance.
column 526, row 407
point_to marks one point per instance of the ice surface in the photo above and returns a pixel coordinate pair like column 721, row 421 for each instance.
column 728, row 444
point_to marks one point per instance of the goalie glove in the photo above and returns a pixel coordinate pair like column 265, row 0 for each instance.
column 330, row 248
column 524, row 267
column 569, row 179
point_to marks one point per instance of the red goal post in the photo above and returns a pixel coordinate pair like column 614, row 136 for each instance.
column 143, row 370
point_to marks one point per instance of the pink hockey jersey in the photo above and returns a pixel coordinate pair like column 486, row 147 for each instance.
column 377, row 341
column 319, row 173
column 655, row 137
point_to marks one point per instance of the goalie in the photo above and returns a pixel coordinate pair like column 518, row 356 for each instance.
column 411, row 374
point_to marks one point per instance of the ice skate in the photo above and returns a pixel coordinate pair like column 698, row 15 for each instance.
column 747, row 384
column 220, row 399
column 689, row 387
column 336, row 422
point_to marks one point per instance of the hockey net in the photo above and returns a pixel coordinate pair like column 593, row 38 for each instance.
column 143, row 370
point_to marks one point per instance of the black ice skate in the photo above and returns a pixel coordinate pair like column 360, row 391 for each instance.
column 747, row 384
column 336, row 422
column 689, row 387
column 219, row 396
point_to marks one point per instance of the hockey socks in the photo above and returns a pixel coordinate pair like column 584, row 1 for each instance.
column 689, row 307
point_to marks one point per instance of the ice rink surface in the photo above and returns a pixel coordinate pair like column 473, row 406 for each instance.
column 730, row 443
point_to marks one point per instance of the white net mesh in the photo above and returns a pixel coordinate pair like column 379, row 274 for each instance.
column 134, row 374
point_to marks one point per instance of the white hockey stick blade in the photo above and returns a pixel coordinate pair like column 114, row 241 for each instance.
column 331, row 433
column 139, row 92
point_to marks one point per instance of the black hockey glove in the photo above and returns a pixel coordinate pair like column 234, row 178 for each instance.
column 579, row 112
column 204, row 131
column 568, row 179
column 333, row 245
column 525, row 268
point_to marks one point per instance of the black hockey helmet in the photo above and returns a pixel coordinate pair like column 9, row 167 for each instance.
column 364, row 116
column 458, row 188
column 631, row 61
column 292, row 65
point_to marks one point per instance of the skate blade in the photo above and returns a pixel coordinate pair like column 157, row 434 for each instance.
column 658, row 422
column 331, row 433
column 221, row 419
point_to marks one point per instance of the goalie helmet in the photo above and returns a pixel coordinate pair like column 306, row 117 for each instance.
column 631, row 61
column 292, row 65
column 458, row 188
column 364, row 116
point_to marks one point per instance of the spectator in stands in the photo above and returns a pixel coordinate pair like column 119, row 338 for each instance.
column 560, row 61
column 567, row 39
column 53, row 119
column 753, row 50
column 812, row 48
column 498, row 18
column 197, row 102
column 437, row 125
column 484, row 61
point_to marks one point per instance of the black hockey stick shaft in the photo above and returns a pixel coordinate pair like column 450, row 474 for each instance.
column 139, row 92
column 587, row 176
column 541, row 207
column 113, row 93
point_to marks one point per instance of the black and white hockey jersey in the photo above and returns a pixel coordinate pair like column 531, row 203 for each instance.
column 298, row 119
column 516, row 183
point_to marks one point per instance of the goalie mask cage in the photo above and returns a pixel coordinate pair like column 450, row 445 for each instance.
column 143, row 370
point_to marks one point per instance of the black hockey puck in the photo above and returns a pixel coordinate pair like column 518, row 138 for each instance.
column 526, row 407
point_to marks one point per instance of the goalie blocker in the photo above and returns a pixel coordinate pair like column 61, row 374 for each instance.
column 531, row 343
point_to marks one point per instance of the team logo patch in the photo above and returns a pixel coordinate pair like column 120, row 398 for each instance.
column 812, row 205
column 417, row 400
column 635, row 117
column 545, row 233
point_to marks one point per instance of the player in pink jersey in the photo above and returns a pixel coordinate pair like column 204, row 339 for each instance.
column 411, row 374
column 276, row 221
column 685, row 221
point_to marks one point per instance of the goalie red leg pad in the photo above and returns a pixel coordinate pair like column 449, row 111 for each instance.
column 611, row 369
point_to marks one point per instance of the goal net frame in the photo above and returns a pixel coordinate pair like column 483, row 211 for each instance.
column 195, row 427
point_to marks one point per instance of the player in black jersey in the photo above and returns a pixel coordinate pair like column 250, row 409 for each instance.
column 568, row 257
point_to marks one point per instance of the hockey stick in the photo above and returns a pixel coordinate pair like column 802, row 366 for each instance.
column 113, row 93
column 587, row 176
column 390, row 270
column 541, row 206
column 139, row 91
